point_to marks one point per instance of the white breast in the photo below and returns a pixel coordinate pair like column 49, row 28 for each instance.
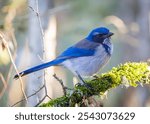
column 87, row 66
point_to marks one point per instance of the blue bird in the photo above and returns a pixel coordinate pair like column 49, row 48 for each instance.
column 84, row 58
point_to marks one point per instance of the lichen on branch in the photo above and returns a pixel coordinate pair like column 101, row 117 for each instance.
column 128, row 74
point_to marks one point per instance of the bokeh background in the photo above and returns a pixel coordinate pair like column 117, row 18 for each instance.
column 65, row 22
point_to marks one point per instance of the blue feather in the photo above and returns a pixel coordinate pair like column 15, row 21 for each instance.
column 39, row 67
column 74, row 52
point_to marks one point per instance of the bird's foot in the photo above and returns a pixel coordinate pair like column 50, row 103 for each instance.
column 83, row 83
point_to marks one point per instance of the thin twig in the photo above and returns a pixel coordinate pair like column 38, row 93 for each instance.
column 49, row 97
column 31, row 96
column 39, row 21
column 40, row 101
column 61, row 83
column 13, row 63
column 52, row 11
column 14, row 55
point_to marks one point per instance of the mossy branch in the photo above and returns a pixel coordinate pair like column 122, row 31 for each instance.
column 128, row 74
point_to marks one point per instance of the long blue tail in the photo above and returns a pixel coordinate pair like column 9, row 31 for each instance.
column 39, row 67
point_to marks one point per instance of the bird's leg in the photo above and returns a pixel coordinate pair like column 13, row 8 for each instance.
column 79, row 76
column 83, row 82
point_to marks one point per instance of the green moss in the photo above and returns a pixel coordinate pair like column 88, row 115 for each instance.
column 62, row 101
column 128, row 74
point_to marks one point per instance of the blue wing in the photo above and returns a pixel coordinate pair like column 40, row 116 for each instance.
column 74, row 52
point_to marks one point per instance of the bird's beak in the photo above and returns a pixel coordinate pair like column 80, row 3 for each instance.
column 110, row 34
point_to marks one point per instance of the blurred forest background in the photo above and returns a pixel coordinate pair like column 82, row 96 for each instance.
column 61, row 23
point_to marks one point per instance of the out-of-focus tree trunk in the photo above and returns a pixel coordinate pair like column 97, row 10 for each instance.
column 35, row 81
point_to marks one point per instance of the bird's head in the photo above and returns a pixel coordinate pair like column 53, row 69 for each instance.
column 99, row 34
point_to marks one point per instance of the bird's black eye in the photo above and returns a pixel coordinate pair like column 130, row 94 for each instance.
column 100, row 35
column 97, row 34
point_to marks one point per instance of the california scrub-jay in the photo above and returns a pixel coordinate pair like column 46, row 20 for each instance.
column 84, row 58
